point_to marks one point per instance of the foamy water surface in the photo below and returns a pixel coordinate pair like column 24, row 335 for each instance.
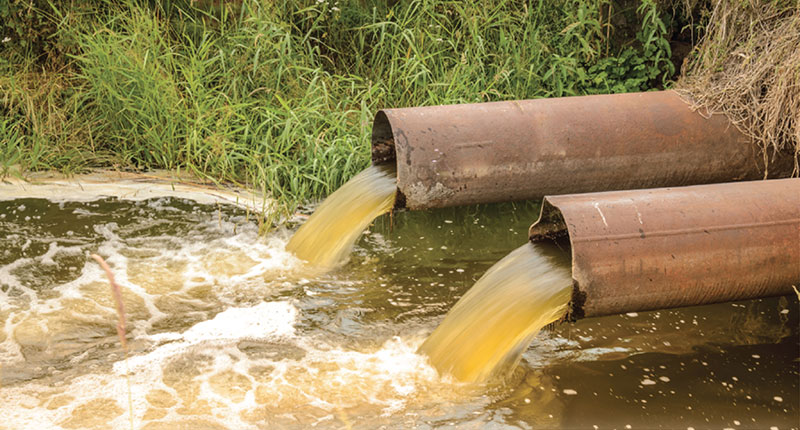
column 226, row 329
column 215, row 327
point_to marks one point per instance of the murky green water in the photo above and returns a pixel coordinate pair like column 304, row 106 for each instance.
column 228, row 331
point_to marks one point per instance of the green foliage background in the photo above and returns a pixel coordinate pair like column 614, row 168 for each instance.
column 279, row 95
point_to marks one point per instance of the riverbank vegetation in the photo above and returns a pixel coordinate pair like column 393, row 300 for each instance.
column 279, row 96
column 748, row 67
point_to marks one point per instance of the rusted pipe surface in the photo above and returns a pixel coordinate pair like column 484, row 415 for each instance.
column 502, row 151
column 670, row 247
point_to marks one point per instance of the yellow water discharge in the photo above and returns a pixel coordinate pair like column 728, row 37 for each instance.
column 326, row 239
column 491, row 326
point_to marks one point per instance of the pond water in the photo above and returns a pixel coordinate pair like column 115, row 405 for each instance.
column 226, row 329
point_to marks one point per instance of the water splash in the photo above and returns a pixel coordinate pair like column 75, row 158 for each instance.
column 327, row 238
column 487, row 331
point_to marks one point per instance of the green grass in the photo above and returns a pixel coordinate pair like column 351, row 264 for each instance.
column 279, row 96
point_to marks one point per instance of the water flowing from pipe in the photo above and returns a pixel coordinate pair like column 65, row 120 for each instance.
column 326, row 239
column 490, row 327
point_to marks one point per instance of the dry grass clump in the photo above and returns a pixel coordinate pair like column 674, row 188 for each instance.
column 748, row 67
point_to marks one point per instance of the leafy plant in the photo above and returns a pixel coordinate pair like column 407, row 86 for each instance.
column 279, row 96
column 638, row 68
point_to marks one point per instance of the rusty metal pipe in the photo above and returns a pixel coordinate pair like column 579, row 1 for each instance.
column 502, row 151
column 669, row 247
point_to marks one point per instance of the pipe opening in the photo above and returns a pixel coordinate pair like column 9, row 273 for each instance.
column 383, row 150
column 382, row 139
column 551, row 227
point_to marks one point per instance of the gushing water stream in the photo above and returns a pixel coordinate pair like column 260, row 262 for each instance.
column 487, row 331
column 327, row 238
column 489, row 328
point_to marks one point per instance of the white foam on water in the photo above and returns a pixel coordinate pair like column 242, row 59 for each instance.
column 125, row 186
column 265, row 321
column 272, row 321
column 208, row 372
column 547, row 349
column 229, row 261
column 10, row 351
column 27, row 406
column 244, row 367
column 12, row 282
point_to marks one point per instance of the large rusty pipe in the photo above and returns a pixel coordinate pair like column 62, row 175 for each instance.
column 503, row 151
column 669, row 247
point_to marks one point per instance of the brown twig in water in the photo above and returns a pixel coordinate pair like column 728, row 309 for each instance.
column 116, row 292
